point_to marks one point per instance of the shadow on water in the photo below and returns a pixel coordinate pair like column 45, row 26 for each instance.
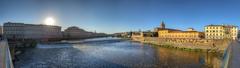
column 107, row 40
column 113, row 54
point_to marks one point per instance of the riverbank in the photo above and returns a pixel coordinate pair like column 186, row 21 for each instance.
column 203, row 45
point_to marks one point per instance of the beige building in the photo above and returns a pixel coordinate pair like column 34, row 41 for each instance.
column 221, row 32
column 178, row 34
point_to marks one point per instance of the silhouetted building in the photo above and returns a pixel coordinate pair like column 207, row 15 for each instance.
column 31, row 31
column 76, row 33
column 1, row 32
column 13, row 30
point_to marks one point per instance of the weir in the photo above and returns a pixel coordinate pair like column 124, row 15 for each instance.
column 5, row 56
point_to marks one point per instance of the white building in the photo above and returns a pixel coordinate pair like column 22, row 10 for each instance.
column 221, row 32
column 31, row 31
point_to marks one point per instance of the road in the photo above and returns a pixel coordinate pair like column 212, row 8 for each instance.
column 235, row 58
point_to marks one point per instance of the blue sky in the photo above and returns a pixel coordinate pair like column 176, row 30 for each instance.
column 112, row 16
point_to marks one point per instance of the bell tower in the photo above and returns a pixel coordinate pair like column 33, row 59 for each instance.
column 162, row 25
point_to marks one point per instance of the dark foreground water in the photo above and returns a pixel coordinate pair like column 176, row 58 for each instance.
column 112, row 53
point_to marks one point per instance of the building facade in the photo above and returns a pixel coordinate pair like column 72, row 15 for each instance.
column 178, row 34
column 13, row 30
column 31, row 31
column 144, row 34
column 238, row 34
column 1, row 31
column 221, row 32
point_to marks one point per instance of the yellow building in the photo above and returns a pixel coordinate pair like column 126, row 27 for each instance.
column 221, row 32
column 178, row 34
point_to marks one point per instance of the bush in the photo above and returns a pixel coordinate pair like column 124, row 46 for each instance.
column 33, row 43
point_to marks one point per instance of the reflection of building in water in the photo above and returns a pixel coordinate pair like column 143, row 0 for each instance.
column 169, row 58
column 177, row 59
column 213, row 62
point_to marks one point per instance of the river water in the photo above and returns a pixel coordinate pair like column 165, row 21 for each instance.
column 112, row 53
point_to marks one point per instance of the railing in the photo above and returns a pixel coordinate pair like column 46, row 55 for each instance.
column 227, row 56
column 5, row 56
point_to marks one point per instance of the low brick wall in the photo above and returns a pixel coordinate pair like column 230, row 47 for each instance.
column 203, row 44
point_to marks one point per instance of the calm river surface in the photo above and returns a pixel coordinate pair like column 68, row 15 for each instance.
column 112, row 53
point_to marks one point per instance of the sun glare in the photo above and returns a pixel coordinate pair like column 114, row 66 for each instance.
column 49, row 21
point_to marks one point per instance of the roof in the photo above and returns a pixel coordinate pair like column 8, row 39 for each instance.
column 74, row 28
column 187, row 32
column 31, row 24
column 222, row 25
column 168, row 29
column 178, row 31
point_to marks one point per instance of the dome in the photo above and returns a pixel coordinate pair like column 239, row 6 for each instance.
column 74, row 28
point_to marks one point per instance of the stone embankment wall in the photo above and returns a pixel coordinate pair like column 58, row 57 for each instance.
column 187, row 44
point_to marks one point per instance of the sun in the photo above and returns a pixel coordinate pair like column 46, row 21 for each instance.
column 49, row 21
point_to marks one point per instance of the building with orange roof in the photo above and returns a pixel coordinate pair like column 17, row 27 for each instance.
column 178, row 34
